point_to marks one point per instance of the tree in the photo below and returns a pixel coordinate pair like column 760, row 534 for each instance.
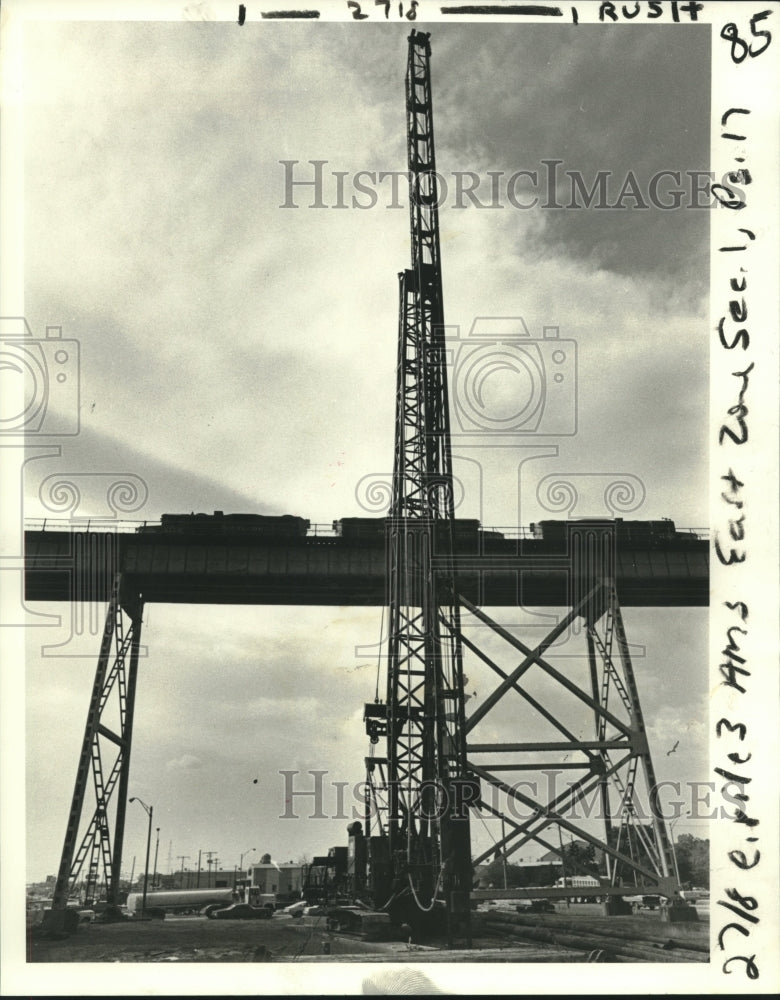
column 637, row 841
column 579, row 857
column 517, row 875
column 693, row 860
column 494, row 875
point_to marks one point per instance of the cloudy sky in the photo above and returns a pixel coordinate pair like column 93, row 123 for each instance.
column 238, row 355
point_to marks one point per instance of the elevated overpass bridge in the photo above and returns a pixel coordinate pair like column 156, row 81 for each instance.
column 249, row 559
column 324, row 568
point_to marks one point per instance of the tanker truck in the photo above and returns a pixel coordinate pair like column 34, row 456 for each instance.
column 163, row 901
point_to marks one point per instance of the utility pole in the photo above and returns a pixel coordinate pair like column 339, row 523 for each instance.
column 156, row 849
column 182, row 858
column 503, row 853
column 563, row 865
column 209, row 856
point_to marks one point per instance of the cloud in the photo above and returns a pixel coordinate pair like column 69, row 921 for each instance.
column 261, row 341
column 555, row 102
column 95, row 458
column 187, row 762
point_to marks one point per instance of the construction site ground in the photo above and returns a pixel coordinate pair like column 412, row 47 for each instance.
column 575, row 934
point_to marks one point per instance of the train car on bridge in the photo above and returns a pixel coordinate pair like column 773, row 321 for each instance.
column 639, row 534
column 285, row 526
column 371, row 530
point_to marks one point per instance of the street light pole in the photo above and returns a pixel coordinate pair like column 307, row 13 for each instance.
column 241, row 866
column 149, row 810
column 241, row 861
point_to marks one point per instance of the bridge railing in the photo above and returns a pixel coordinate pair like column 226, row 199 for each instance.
column 127, row 526
column 83, row 524
column 316, row 530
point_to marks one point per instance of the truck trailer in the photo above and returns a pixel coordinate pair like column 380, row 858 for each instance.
column 180, row 900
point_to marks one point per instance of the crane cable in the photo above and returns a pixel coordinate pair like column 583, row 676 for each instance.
column 427, row 909
column 379, row 653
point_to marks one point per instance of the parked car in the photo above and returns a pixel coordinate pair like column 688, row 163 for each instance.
column 695, row 895
column 241, row 911
column 536, row 906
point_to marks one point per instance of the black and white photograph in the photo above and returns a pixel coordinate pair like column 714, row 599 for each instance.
column 389, row 443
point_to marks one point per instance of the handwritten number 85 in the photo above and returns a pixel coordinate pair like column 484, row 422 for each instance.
column 739, row 47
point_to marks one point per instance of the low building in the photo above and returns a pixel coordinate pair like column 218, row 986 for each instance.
column 204, row 879
column 272, row 877
column 516, row 874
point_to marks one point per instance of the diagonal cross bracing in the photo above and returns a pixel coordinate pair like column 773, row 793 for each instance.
column 633, row 849
column 116, row 675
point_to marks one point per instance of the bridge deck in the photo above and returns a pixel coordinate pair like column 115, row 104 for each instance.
column 171, row 568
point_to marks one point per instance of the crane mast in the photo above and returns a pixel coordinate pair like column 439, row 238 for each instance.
column 422, row 788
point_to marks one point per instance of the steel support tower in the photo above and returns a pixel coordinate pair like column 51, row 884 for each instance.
column 585, row 721
column 104, row 763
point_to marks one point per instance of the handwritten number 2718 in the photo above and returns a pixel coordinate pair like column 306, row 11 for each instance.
column 739, row 47
column 358, row 15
